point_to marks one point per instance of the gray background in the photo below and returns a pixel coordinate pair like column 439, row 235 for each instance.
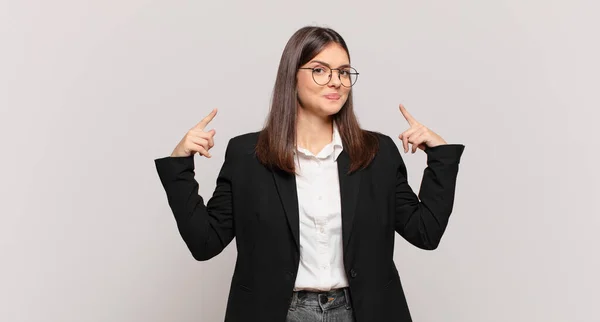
column 92, row 92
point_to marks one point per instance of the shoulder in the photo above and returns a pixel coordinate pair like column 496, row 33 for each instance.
column 385, row 142
column 242, row 145
column 387, row 152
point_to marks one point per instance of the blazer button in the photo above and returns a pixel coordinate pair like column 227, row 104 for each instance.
column 353, row 273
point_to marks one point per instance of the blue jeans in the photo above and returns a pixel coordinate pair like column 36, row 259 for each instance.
column 332, row 306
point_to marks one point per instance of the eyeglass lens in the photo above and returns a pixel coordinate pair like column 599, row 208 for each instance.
column 347, row 75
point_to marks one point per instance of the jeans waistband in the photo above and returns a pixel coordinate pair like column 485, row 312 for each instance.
column 323, row 299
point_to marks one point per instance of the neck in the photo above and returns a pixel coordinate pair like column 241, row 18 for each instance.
column 313, row 132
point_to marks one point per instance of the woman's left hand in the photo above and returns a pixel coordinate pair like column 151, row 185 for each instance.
column 418, row 134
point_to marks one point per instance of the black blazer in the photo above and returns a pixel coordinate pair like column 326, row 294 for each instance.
column 260, row 208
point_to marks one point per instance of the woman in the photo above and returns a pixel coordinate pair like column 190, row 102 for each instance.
column 313, row 200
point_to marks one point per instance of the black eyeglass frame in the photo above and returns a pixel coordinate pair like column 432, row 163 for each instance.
column 330, row 74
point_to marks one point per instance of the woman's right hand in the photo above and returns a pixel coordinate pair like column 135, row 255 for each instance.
column 196, row 140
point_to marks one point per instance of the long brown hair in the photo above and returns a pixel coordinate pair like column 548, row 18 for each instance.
column 277, row 141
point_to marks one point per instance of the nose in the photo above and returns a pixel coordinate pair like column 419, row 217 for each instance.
column 335, row 80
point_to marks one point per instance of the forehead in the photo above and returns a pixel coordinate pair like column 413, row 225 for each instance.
column 334, row 55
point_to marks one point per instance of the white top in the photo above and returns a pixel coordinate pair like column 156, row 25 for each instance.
column 317, row 182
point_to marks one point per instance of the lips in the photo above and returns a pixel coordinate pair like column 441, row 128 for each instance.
column 332, row 96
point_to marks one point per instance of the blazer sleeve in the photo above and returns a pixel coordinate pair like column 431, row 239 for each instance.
column 422, row 219
column 206, row 229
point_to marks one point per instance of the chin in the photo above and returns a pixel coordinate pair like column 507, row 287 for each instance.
column 325, row 108
column 338, row 109
column 330, row 110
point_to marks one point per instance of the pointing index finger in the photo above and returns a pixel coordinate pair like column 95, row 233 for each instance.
column 206, row 120
column 411, row 120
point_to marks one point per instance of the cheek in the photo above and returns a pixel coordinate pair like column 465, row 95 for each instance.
column 345, row 96
column 304, row 96
column 308, row 93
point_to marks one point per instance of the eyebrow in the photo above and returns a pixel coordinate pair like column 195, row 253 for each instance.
column 326, row 64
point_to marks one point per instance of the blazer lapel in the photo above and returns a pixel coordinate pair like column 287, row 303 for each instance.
column 286, row 187
column 349, row 186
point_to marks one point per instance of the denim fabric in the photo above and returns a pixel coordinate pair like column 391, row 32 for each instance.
column 332, row 306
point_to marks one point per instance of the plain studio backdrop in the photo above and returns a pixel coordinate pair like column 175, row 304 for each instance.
column 93, row 92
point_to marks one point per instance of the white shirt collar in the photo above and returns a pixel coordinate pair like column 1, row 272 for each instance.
column 336, row 145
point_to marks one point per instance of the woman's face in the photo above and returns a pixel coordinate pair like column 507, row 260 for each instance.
column 328, row 99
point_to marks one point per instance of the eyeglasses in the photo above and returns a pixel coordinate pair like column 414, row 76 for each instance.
column 322, row 75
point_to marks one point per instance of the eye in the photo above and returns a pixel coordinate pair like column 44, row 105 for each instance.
column 344, row 72
column 319, row 70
